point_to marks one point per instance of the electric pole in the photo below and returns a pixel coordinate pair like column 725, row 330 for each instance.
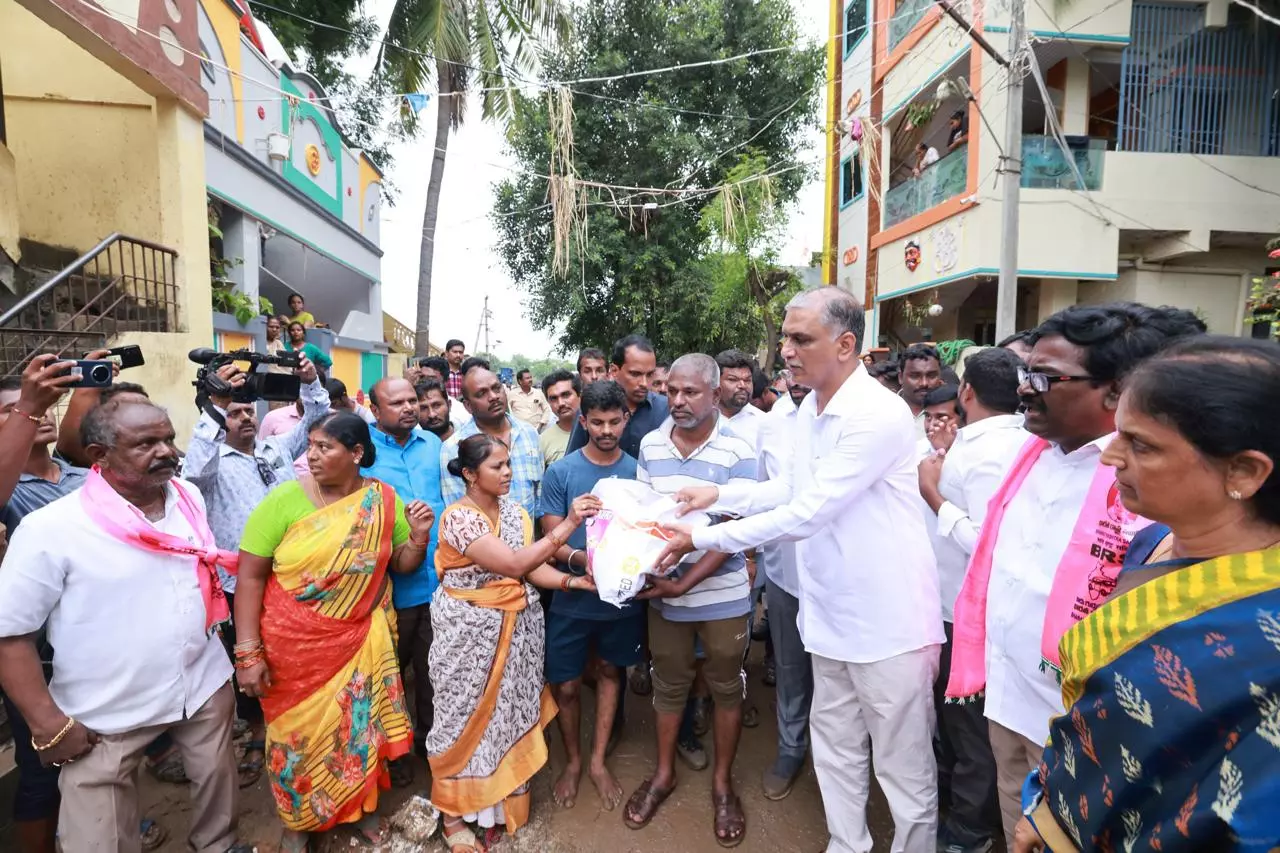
column 1011, row 169
column 483, row 328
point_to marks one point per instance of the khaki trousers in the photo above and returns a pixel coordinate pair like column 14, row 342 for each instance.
column 1016, row 756
column 99, row 811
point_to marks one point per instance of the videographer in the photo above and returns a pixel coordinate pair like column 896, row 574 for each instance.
column 234, row 470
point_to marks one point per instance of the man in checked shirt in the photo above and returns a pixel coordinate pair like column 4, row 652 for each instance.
column 234, row 470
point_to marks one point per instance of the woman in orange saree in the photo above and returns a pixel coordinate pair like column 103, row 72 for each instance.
column 317, row 632
column 491, row 701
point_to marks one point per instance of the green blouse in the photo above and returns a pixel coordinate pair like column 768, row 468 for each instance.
column 288, row 503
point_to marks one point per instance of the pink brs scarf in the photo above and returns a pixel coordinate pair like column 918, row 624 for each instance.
column 123, row 521
column 1085, row 577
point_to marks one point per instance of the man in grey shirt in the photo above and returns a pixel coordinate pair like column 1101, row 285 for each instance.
column 234, row 470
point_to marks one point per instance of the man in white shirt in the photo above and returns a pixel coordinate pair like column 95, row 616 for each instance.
column 1068, row 393
column 736, row 385
column 793, row 669
column 926, row 156
column 129, row 609
column 870, row 614
column 528, row 403
column 956, row 488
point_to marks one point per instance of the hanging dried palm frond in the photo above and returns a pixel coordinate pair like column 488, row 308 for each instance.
column 869, row 147
column 565, row 191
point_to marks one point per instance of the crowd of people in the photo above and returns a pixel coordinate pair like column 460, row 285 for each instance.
column 1035, row 592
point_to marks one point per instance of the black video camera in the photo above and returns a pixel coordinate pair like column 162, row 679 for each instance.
column 276, row 387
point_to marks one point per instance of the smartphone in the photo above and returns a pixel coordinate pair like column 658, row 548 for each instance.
column 126, row 356
column 93, row 373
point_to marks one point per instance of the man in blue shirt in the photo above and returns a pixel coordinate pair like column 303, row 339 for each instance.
column 408, row 460
column 579, row 620
column 633, row 365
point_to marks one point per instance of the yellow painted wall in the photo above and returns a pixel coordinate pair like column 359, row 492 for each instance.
column 229, row 341
column 227, row 27
column 346, row 366
column 9, row 232
column 83, row 139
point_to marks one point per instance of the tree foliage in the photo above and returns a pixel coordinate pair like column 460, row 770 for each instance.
column 659, row 271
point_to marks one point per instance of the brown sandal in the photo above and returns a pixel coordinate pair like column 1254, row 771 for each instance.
column 644, row 802
column 729, row 819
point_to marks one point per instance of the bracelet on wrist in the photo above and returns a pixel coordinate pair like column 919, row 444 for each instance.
column 566, row 583
column 71, row 721
column 35, row 419
column 415, row 543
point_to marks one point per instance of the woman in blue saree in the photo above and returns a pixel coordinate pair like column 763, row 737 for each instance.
column 1171, row 741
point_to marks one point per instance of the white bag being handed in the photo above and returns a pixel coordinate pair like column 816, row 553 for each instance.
column 625, row 539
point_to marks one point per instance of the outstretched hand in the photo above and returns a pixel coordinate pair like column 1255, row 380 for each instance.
column 693, row 498
column 679, row 543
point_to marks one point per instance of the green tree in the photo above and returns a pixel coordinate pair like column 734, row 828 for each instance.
column 655, row 271
column 463, row 46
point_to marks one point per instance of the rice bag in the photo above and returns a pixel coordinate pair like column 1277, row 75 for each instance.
column 625, row 539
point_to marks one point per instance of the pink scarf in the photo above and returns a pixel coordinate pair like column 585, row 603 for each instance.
column 1085, row 577
column 123, row 521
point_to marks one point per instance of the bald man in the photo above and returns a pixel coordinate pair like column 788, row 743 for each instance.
column 408, row 459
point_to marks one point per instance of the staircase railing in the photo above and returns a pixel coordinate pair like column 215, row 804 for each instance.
column 121, row 285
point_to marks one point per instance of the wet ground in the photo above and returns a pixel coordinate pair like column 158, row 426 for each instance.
column 683, row 824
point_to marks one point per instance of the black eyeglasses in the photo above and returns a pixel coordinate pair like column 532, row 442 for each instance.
column 1042, row 382
column 264, row 471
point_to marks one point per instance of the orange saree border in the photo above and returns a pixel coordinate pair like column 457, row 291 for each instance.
column 460, row 796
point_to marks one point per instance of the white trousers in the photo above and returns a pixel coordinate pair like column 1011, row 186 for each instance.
column 886, row 706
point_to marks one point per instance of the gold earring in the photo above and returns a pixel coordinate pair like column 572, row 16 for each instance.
column 1234, row 494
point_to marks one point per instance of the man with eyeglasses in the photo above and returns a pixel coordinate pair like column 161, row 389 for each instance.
column 234, row 470
column 1055, row 533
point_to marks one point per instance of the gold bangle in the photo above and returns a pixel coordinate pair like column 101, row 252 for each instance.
column 71, row 721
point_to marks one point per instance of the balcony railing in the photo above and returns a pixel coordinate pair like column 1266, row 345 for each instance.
column 908, row 13
column 943, row 180
column 1045, row 167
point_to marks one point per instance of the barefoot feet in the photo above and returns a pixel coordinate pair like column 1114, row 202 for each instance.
column 565, row 792
column 607, row 786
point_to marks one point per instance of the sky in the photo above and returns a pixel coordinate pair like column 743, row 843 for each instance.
column 467, row 267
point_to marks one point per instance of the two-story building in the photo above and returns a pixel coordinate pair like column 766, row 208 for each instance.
column 298, row 209
column 1169, row 115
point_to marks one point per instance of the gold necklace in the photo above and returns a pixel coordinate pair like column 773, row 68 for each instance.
column 324, row 504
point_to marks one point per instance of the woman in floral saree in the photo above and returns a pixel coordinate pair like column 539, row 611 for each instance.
column 1172, row 737
column 317, row 632
column 492, row 703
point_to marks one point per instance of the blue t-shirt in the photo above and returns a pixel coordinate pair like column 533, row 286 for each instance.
column 414, row 472
column 571, row 477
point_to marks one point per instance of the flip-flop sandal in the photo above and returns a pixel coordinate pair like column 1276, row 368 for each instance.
column 728, row 815
column 401, row 773
column 250, row 769
column 644, row 802
column 153, row 834
column 641, row 681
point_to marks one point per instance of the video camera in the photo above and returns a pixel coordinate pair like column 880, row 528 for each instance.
column 275, row 387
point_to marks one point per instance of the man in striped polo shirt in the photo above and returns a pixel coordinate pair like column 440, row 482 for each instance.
column 707, row 597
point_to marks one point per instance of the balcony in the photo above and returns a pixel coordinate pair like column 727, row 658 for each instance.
column 905, row 16
column 1045, row 167
column 943, row 180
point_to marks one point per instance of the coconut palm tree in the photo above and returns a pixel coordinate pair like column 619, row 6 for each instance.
column 462, row 46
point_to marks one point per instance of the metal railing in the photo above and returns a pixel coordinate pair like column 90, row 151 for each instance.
column 121, row 285
column 938, row 182
column 1044, row 166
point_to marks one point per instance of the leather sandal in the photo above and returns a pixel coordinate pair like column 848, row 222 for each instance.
column 728, row 818
column 644, row 803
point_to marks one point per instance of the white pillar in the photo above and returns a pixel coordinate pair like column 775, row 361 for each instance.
column 241, row 240
column 1055, row 295
column 1075, row 98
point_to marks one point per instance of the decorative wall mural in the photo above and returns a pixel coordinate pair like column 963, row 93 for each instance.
column 946, row 248
column 912, row 256
column 855, row 101
column 850, row 255
column 313, row 158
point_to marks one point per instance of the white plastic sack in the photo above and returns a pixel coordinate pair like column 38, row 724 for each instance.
column 625, row 539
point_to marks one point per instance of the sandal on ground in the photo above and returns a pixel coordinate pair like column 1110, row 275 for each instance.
column 168, row 769
column 153, row 834
column 644, row 802
column 250, row 769
column 728, row 818
column 462, row 837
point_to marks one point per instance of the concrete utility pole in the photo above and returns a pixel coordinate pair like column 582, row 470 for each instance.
column 1011, row 169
